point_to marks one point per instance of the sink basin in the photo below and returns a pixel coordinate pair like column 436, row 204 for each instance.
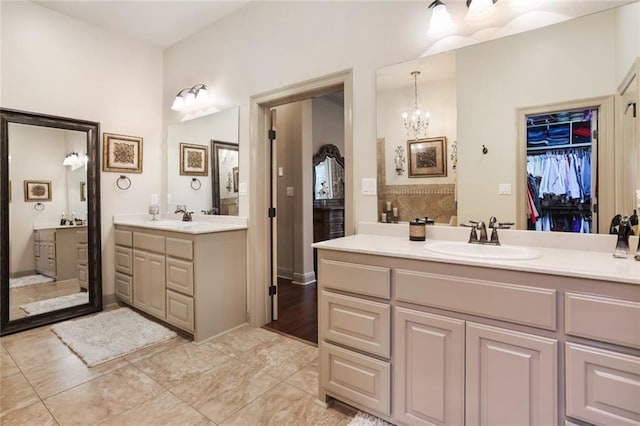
column 479, row 251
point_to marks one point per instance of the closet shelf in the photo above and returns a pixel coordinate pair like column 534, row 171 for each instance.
column 552, row 147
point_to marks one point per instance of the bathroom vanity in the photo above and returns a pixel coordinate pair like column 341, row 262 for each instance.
column 56, row 250
column 191, row 275
column 419, row 337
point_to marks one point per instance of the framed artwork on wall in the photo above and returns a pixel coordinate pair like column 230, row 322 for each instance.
column 236, row 178
column 121, row 153
column 194, row 160
column 427, row 157
column 83, row 191
column 37, row 190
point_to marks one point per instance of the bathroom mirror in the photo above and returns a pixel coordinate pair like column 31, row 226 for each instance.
column 50, row 205
column 225, row 172
column 197, row 191
column 328, row 174
column 473, row 95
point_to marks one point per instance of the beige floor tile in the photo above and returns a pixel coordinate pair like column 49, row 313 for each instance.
column 165, row 409
column 103, row 398
column 225, row 389
column 55, row 377
column 7, row 366
column 35, row 347
column 181, row 364
column 280, row 358
column 155, row 349
column 16, row 393
column 306, row 378
column 242, row 339
column 34, row 414
column 283, row 405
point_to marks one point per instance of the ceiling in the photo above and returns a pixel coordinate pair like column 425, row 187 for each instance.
column 157, row 23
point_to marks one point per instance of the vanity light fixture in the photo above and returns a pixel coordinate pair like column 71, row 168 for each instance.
column 189, row 97
column 479, row 10
column 441, row 22
column 415, row 121
column 75, row 161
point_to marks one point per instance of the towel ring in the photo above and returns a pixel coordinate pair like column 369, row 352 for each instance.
column 124, row 186
column 196, row 184
column 485, row 150
column 38, row 207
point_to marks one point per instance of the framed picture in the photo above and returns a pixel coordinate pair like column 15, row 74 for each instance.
column 194, row 160
column 37, row 190
column 428, row 157
column 83, row 191
column 236, row 177
column 121, row 153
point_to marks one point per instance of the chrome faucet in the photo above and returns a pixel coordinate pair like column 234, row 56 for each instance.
column 186, row 216
column 624, row 231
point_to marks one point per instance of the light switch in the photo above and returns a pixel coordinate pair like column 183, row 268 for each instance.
column 242, row 188
column 280, row 171
column 289, row 191
column 504, row 189
column 369, row 186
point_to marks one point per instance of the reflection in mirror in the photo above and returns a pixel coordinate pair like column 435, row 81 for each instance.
column 491, row 84
column 328, row 174
column 225, row 172
column 51, row 220
column 219, row 126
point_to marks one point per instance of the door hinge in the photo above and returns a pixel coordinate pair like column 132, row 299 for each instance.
column 595, row 208
column 272, row 134
column 272, row 212
column 595, row 134
column 273, row 290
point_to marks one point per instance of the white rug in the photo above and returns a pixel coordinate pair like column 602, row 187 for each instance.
column 109, row 335
column 48, row 305
column 366, row 419
column 29, row 280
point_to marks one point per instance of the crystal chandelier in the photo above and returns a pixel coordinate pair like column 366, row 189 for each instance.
column 415, row 121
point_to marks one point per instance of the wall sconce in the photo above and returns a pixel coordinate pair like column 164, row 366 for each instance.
column 399, row 160
column 190, row 97
column 479, row 10
column 441, row 22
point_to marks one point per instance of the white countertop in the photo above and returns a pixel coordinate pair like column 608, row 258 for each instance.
column 200, row 224
column 595, row 263
column 40, row 227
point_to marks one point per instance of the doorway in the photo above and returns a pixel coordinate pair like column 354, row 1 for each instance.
column 263, row 249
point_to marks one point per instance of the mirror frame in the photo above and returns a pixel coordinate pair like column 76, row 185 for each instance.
column 92, row 130
column 327, row 150
column 215, row 173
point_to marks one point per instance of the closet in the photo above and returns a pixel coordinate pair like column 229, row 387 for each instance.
column 561, row 170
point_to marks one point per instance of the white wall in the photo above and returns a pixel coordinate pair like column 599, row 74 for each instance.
column 627, row 38
column 58, row 65
column 328, row 124
column 495, row 79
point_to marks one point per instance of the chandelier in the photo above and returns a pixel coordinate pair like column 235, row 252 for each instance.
column 415, row 121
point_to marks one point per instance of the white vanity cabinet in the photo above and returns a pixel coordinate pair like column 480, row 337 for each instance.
column 55, row 251
column 194, row 282
column 477, row 345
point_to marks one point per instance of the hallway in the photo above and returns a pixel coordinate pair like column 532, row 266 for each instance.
column 297, row 311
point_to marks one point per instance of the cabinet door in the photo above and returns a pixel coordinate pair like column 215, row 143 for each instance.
column 149, row 292
column 511, row 377
column 428, row 369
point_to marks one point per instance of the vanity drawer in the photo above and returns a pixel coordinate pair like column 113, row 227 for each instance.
column 180, row 311
column 148, row 242
column 46, row 235
column 124, row 287
column 602, row 387
column 83, row 237
column 123, row 238
column 83, row 253
column 602, row 318
column 124, row 260
column 513, row 303
column 50, row 250
column 357, row 378
column 360, row 324
column 180, row 276
column 356, row 278
column 179, row 248
column 83, row 277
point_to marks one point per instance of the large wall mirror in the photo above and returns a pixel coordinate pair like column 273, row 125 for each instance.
column 213, row 192
column 50, row 205
column 476, row 96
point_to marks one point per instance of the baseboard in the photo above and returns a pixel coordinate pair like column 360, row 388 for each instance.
column 285, row 273
column 304, row 279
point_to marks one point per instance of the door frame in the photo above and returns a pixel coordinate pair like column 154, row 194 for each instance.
column 258, row 241
column 604, row 152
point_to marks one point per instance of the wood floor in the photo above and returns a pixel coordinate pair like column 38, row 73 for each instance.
column 297, row 310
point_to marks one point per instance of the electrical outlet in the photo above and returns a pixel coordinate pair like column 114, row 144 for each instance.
column 504, row 189
column 290, row 191
column 368, row 186
column 243, row 188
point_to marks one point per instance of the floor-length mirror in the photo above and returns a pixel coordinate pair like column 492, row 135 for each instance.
column 50, row 219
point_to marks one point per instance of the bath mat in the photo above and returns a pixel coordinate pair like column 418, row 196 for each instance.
column 48, row 305
column 366, row 419
column 29, row 280
column 109, row 335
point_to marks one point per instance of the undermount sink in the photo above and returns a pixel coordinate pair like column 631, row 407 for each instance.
column 482, row 251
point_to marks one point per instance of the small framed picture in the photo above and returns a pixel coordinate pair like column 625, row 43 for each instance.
column 121, row 153
column 194, row 160
column 83, row 191
column 37, row 190
column 427, row 157
column 236, row 177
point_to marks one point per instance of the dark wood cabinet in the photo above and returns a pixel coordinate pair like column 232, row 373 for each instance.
column 328, row 223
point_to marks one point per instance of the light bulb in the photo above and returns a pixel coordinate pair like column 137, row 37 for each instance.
column 190, row 100
column 178, row 103
column 441, row 22
column 202, row 96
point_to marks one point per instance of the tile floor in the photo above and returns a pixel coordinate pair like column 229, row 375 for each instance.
column 249, row 376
